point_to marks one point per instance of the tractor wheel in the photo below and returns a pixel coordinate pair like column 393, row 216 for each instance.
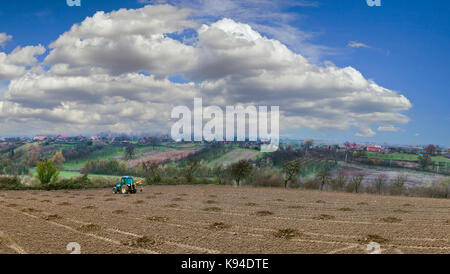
column 124, row 189
column 114, row 190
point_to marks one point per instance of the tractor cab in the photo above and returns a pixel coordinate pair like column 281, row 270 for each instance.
column 126, row 180
column 126, row 185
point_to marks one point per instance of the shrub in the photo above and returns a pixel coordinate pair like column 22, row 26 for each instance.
column 380, row 181
column 267, row 181
column 398, row 185
column 311, row 183
column 435, row 190
column 72, row 183
column 221, row 174
column 11, row 183
column 425, row 161
column 82, row 182
column 152, row 172
column 323, row 177
column 100, row 182
column 356, row 183
column 108, row 167
column 190, row 170
column 47, row 172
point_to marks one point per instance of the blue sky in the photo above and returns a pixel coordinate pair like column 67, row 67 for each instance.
column 410, row 54
column 403, row 46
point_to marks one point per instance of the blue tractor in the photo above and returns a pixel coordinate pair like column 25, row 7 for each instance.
column 127, row 185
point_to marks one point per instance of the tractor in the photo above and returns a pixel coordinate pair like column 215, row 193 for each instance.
column 127, row 185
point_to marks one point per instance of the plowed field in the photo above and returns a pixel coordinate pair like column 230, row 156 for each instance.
column 220, row 219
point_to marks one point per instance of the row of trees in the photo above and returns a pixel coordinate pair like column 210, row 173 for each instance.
column 107, row 167
column 81, row 151
column 11, row 167
column 245, row 171
column 48, row 178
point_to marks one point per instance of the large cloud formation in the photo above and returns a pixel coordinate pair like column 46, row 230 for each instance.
column 113, row 71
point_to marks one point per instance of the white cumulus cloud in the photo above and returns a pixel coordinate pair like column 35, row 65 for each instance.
column 15, row 63
column 112, row 72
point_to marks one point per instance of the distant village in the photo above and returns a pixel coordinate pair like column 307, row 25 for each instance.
column 11, row 142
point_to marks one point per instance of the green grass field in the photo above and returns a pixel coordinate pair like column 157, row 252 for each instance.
column 233, row 156
column 404, row 157
column 70, row 174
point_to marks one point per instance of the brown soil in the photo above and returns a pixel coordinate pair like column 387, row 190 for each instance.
column 284, row 221
column 287, row 233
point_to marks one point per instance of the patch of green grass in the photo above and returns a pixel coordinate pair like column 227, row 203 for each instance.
column 440, row 158
column 107, row 152
column 393, row 156
column 404, row 157
column 233, row 156
column 70, row 174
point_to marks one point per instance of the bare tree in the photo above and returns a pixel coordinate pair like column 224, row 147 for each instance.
column 291, row 170
column 357, row 181
column 339, row 182
column 323, row 177
column 380, row 181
